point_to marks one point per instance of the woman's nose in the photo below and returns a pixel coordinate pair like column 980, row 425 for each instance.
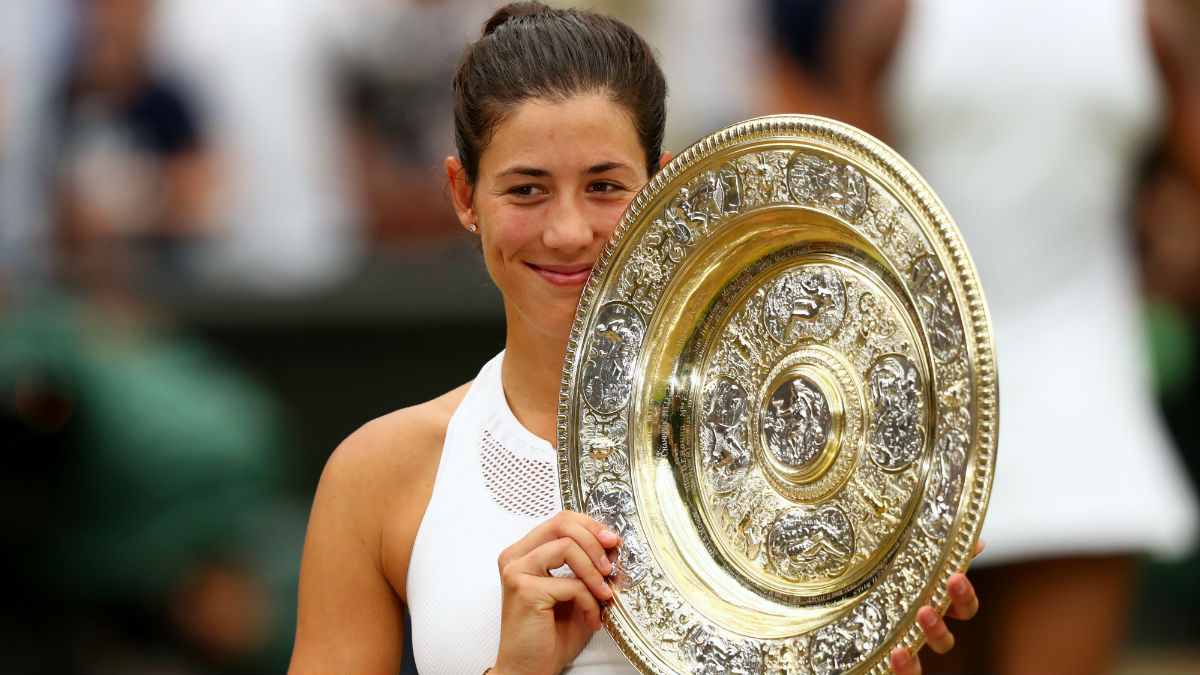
column 570, row 227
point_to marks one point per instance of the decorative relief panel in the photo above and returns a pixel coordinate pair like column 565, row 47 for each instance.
column 615, row 343
column 843, row 644
column 897, row 412
column 809, row 303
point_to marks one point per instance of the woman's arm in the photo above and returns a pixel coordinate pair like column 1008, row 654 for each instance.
column 349, row 618
column 369, row 504
column 1172, row 36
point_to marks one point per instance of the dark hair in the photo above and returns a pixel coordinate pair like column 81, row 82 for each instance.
column 530, row 51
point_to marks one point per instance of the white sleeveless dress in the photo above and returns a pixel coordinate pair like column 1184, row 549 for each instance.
column 1028, row 119
column 496, row 481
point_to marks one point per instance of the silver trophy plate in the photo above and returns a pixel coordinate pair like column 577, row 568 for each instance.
column 780, row 391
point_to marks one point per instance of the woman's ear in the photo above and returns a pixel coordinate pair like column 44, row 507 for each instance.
column 664, row 159
column 461, row 190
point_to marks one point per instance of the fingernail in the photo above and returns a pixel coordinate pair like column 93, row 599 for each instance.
column 927, row 619
column 608, row 537
column 901, row 659
column 958, row 586
column 605, row 566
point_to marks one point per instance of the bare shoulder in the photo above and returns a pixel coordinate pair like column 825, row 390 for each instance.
column 396, row 444
column 379, row 480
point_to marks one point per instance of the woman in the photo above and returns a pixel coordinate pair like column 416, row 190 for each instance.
column 559, row 121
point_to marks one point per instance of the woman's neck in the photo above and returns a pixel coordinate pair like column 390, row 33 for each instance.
column 532, row 375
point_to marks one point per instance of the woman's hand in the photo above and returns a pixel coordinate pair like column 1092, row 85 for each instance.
column 546, row 620
column 963, row 605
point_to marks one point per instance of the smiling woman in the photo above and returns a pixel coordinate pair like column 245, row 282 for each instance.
column 451, row 507
column 552, row 186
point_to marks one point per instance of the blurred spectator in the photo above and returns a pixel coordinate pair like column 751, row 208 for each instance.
column 264, row 73
column 1030, row 120
column 136, row 184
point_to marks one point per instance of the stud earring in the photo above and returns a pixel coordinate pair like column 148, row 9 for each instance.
column 473, row 227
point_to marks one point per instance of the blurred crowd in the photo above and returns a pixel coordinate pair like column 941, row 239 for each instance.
column 157, row 154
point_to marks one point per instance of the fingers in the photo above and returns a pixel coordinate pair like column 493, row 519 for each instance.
column 905, row 662
column 570, row 539
column 549, row 593
column 979, row 546
column 964, row 604
column 572, row 590
column 963, row 601
column 937, row 635
column 589, row 534
column 566, row 551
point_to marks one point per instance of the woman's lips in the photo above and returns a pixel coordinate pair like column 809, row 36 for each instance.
column 563, row 275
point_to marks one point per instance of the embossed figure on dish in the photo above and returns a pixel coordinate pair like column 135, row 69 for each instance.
column 825, row 182
column 723, row 444
column 708, row 652
column 897, row 430
column 945, row 483
column 617, row 337
column 811, row 547
column 764, row 177
column 841, row 645
column 797, row 422
column 604, row 444
column 611, row 503
column 932, row 291
column 805, row 303
column 712, row 196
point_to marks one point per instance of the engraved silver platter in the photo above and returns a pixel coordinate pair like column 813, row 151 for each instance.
column 780, row 390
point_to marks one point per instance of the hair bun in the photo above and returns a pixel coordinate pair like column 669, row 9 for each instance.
column 510, row 11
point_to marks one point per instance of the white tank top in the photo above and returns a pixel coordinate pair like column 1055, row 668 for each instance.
column 1028, row 118
column 495, row 482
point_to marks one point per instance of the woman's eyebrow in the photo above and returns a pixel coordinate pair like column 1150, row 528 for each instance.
column 607, row 166
column 539, row 173
column 523, row 171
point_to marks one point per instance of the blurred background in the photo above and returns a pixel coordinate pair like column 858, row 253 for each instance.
column 226, row 241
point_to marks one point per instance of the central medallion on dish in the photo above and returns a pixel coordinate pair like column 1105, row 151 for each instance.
column 796, row 423
column 788, row 414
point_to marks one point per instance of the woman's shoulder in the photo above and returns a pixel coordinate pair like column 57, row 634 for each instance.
column 377, row 483
column 397, row 447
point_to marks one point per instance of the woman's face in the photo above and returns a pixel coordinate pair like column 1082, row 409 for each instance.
column 551, row 186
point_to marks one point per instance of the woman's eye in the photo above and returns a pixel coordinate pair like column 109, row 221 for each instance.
column 605, row 186
column 524, row 190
